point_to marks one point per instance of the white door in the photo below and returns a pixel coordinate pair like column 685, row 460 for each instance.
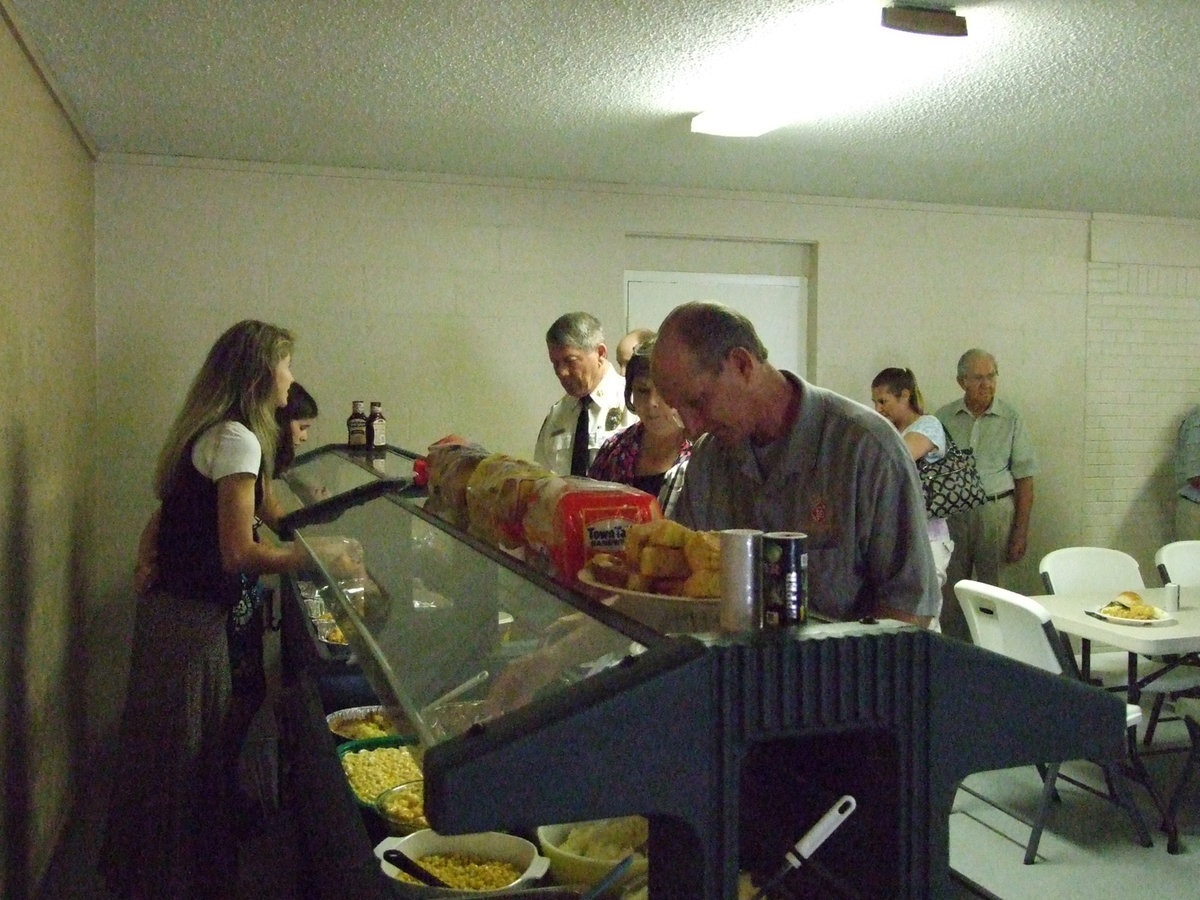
column 777, row 305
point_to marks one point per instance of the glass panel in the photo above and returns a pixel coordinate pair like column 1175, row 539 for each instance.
column 449, row 631
column 332, row 470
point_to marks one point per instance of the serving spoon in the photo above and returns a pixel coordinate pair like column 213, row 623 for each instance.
column 407, row 864
column 611, row 877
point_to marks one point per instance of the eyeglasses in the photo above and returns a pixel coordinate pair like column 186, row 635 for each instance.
column 981, row 379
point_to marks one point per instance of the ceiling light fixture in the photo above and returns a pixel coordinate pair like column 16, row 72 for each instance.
column 940, row 21
column 826, row 64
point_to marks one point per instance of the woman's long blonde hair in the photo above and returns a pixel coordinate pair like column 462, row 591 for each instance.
column 236, row 382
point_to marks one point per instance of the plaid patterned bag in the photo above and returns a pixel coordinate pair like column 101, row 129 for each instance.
column 951, row 483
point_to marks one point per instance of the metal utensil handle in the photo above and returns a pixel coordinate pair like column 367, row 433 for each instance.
column 407, row 864
column 611, row 877
column 813, row 838
column 456, row 692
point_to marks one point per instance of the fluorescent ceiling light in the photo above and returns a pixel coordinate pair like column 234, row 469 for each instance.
column 828, row 61
column 739, row 122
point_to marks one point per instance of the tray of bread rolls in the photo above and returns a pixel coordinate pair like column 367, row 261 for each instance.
column 667, row 577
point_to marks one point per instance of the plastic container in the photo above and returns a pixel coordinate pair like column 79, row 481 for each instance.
column 374, row 744
column 403, row 807
column 486, row 845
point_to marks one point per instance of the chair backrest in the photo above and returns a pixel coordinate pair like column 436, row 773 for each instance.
column 1013, row 625
column 1179, row 561
column 1075, row 570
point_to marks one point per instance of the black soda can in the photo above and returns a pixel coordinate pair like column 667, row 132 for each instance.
column 784, row 578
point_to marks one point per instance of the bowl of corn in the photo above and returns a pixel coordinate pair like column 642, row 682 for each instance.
column 485, row 863
column 358, row 723
column 403, row 807
column 375, row 764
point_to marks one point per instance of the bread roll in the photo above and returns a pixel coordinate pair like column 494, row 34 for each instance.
column 704, row 583
column 663, row 562
column 636, row 538
column 659, row 532
column 639, row 582
column 672, row 587
column 703, row 551
column 607, row 568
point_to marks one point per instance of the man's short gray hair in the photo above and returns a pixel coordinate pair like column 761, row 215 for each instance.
column 575, row 329
column 970, row 356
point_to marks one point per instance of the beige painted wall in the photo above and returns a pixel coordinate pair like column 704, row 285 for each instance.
column 47, row 454
column 433, row 296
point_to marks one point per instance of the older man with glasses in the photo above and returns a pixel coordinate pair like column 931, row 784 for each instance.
column 995, row 534
column 593, row 405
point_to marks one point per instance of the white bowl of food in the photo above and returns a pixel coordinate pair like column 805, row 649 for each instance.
column 584, row 852
column 485, row 863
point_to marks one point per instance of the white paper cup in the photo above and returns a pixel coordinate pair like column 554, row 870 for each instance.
column 1172, row 601
column 741, row 579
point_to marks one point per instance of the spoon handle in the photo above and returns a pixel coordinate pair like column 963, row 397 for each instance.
column 610, row 878
column 406, row 863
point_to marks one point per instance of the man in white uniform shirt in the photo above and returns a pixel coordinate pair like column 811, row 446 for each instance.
column 594, row 404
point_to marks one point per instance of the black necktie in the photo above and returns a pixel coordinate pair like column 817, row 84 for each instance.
column 579, row 449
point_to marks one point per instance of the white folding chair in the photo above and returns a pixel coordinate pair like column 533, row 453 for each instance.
column 1079, row 570
column 1020, row 628
column 1179, row 561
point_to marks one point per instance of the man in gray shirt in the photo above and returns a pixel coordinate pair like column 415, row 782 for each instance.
column 1187, row 478
column 780, row 454
column 989, row 536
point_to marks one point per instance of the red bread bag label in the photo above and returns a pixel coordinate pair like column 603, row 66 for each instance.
column 571, row 519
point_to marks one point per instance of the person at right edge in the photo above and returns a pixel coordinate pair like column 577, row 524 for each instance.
column 1187, row 478
column 995, row 534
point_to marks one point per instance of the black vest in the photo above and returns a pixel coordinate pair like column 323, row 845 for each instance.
column 189, row 550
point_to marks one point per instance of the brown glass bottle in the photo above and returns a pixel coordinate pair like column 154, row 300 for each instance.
column 376, row 427
column 356, row 427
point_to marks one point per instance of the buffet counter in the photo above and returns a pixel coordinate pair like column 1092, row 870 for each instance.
column 731, row 746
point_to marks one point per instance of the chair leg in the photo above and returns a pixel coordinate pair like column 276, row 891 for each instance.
column 1152, row 722
column 1142, row 777
column 1189, row 771
column 1120, row 792
column 1049, row 794
column 1044, row 772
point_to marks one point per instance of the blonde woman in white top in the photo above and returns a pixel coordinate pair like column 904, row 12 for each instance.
column 897, row 398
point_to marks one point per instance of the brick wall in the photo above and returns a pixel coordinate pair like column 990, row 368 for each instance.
column 1142, row 376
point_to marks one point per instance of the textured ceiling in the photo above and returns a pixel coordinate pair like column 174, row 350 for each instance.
column 1090, row 105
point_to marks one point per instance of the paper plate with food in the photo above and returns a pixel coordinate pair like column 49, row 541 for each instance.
column 1129, row 608
column 667, row 576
